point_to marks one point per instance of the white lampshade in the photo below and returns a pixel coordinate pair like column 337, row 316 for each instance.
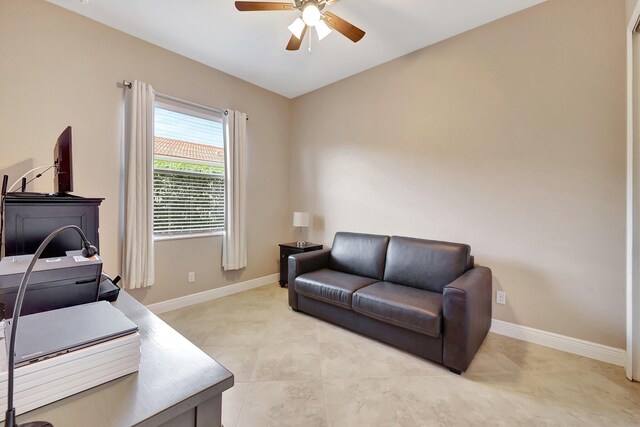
column 301, row 219
column 322, row 29
column 311, row 15
column 297, row 27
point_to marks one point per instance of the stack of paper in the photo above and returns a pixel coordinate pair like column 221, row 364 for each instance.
column 41, row 383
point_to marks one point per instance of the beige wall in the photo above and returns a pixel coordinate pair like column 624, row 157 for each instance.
column 510, row 137
column 58, row 68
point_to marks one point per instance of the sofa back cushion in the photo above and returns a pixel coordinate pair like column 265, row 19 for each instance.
column 359, row 254
column 425, row 264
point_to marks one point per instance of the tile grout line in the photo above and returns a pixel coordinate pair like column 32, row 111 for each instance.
column 255, row 362
column 324, row 392
column 248, row 386
column 244, row 396
column 413, row 417
column 249, row 381
column 324, row 401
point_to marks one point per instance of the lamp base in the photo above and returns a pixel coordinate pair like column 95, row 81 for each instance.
column 36, row 424
column 301, row 244
column 10, row 421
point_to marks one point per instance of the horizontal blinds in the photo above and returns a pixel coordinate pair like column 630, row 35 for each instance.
column 187, row 202
column 188, row 124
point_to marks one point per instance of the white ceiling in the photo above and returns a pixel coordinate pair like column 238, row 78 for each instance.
column 251, row 45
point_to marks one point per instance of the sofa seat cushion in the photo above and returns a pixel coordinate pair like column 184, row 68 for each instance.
column 404, row 306
column 333, row 287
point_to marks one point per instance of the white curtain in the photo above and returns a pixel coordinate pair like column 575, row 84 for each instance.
column 137, row 253
column 234, row 247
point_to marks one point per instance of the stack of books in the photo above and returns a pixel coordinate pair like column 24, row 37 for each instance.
column 40, row 383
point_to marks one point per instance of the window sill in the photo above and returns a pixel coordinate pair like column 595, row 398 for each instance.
column 187, row 236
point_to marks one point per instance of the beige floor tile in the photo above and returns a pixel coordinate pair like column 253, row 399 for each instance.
column 234, row 312
column 300, row 328
column 532, row 357
column 402, row 364
column 615, row 374
column 453, row 400
column 352, row 359
column 365, row 402
column 283, row 404
column 238, row 359
column 569, row 398
column 397, row 362
column 489, row 360
column 328, row 332
column 588, row 396
column 301, row 371
column 287, row 361
column 232, row 403
column 225, row 333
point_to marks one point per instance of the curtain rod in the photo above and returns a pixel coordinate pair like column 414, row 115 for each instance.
column 128, row 85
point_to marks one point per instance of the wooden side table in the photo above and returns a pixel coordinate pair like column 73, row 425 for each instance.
column 287, row 249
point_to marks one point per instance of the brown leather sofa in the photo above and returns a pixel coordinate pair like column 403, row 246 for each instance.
column 423, row 296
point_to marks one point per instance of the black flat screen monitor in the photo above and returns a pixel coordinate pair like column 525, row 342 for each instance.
column 63, row 176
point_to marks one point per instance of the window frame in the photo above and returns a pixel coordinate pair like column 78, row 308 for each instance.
column 204, row 112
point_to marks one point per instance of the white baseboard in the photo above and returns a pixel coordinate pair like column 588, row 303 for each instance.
column 187, row 300
column 603, row 353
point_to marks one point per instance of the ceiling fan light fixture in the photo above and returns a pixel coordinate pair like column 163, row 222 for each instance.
column 311, row 14
column 297, row 27
column 322, row 29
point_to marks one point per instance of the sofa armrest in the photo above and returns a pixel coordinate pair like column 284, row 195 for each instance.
column 304, row 263
column 466, row 307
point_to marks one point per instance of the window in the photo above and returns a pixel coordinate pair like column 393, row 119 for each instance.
column 188, row 178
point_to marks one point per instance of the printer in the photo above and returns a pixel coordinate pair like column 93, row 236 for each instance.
column 55, row 282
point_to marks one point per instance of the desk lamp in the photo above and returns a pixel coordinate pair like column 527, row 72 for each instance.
column 88, row 251
column 300, row 219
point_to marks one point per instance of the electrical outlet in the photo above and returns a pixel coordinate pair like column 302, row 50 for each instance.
column 501, row 297
column 192, row 277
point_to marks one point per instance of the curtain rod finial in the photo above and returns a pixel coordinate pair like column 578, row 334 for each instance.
column 226, row 113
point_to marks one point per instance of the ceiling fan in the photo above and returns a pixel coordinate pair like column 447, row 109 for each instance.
column 312, row 16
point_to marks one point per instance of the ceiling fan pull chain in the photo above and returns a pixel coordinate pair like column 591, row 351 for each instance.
column 310, row 37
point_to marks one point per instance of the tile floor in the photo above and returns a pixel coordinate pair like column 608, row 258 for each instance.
column 293, row 370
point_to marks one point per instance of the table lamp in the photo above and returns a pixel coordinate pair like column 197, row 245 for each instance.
column 300, row 219
column 88, row 251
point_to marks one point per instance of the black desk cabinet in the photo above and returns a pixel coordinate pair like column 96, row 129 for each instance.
column 29, row 218
column 287, row 249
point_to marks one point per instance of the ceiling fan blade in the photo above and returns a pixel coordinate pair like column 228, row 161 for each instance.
column 250, row 6
column 294, row 42
column 330, row 2
column 348, row 30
